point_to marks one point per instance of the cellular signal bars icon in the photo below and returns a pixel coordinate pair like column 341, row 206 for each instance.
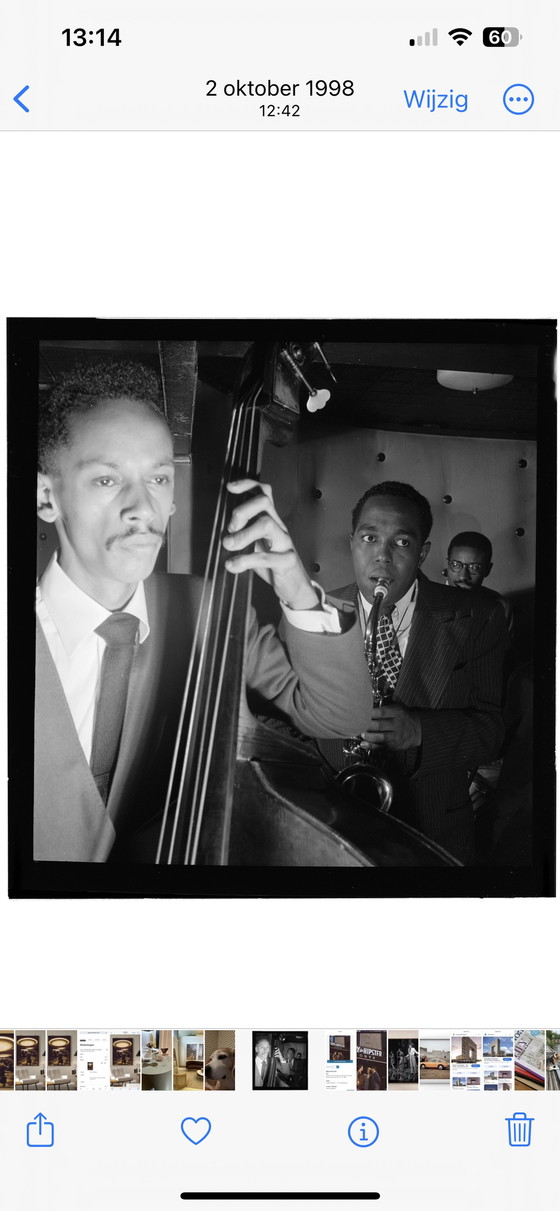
column 427, row 39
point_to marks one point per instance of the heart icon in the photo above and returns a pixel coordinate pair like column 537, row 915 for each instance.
column 198, row 1129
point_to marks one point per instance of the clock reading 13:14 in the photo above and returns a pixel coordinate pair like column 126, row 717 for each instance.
column 87, row 37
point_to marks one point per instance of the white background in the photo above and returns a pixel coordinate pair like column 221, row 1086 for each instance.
column 354, row 225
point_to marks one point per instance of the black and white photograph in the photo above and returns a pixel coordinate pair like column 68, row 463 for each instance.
column 403, row 1060
column 285, row 590
column 279, row 1059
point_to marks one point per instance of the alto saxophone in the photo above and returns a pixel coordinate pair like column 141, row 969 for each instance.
column 364, row 763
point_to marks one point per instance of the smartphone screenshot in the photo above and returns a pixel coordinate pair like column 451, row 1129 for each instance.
column 279, row 306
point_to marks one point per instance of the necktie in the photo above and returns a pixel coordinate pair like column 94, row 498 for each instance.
column 387, row 651
column 119, row 632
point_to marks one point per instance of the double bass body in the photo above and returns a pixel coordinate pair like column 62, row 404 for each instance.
column 241, row 793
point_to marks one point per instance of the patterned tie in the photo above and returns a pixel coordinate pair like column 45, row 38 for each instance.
column 387, row 651
column 119, row 632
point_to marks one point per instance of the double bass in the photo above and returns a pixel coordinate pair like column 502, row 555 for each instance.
column 242, row 793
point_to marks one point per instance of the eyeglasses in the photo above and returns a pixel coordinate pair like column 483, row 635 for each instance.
column 455, row 565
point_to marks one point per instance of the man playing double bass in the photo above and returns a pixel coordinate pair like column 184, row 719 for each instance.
column 114, row 638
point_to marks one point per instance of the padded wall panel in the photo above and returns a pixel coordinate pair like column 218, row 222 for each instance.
column 488, row 489
column 214, row 1039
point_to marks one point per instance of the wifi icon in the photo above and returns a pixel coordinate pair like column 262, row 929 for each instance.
column 460, row 35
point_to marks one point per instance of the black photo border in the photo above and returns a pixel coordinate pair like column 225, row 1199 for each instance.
column 86, row 880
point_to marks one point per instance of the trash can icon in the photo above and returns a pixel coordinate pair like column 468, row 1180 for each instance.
column 519, row 1130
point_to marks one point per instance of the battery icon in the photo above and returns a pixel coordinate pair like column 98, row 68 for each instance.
column 501, row 35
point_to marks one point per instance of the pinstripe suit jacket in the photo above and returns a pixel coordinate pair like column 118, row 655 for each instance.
column 295, row 677
column 451, row 677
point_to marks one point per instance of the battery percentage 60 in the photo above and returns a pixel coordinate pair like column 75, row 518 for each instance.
column 501, row 35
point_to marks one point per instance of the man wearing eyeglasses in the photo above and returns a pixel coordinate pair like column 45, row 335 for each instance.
column 469, row 562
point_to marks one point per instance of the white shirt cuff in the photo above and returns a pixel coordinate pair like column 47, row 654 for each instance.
column 322, row 619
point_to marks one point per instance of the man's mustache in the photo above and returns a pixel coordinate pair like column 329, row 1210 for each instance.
column 131, row 532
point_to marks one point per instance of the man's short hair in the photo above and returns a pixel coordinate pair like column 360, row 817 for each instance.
column 391, row 487
column 470, row 538
column 79, row 390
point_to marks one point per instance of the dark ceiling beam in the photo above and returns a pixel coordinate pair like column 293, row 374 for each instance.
column 179, row 374
column 496, row 359
column 515, row 359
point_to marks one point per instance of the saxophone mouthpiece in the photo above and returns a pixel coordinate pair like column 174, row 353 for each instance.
column 381, row 589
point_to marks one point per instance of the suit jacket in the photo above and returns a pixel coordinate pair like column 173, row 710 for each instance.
column 260, row 1082
column 295, row 677
column 451, row 677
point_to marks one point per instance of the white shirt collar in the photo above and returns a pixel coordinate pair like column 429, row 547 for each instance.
column 75, row 614
column 400, row 606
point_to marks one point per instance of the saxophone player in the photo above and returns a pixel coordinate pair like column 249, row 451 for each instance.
column 441, row 654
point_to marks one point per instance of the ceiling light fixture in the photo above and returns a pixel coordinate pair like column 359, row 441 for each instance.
column 469, row 380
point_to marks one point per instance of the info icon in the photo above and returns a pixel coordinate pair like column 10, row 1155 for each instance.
column 363, row 1131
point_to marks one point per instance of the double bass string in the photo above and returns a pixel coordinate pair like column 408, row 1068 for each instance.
column 199, row 652
column 192, row 694
column 242, row 450
column 247, row 461
column 207, row 661
column 199, row 645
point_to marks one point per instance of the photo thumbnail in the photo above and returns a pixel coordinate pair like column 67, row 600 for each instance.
column 7, row 1055
column 188, row 1059
column 219, row 1066
column 125, row 1061
column 371, row 1059
column 157, row 1061
column 62, row 1055
column 30, row 1060
column 279, row 1059
column 403, row 1059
